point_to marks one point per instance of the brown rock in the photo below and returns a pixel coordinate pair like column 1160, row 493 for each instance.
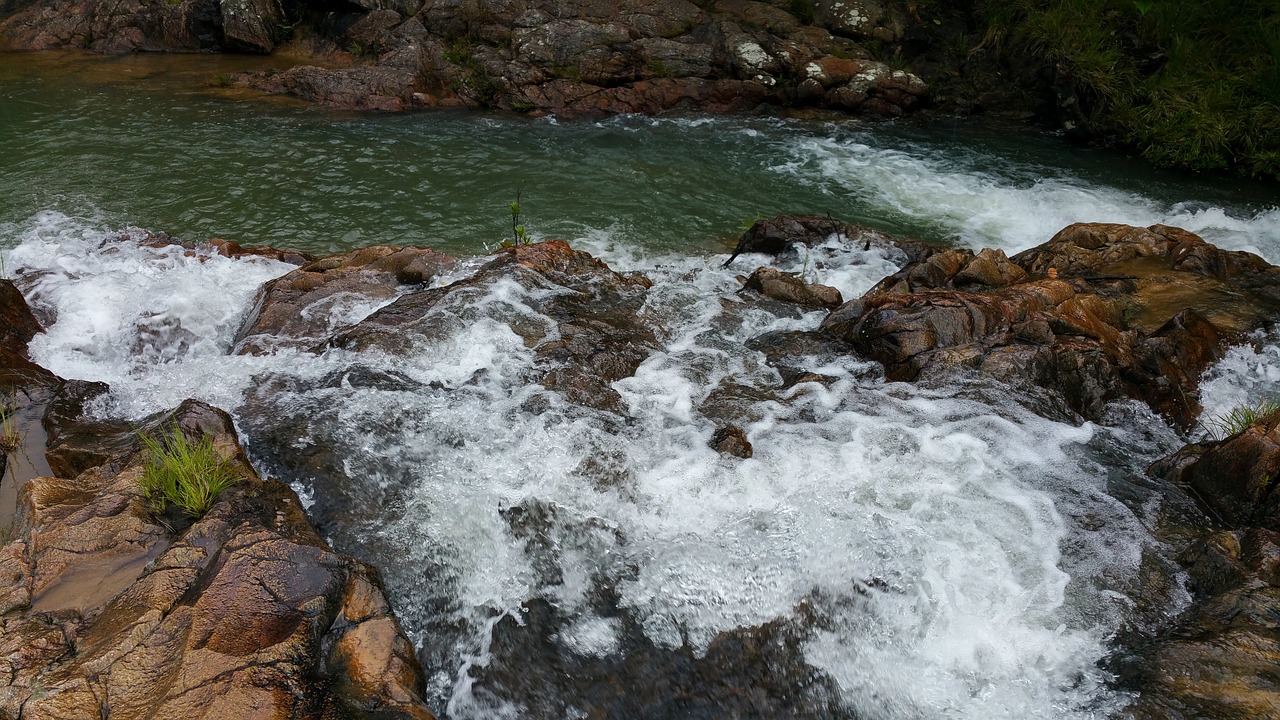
column 245, row 613
column 731, row 440
column 295, row 310
column 598, row 339
column 1127, row 328
column 790, row 288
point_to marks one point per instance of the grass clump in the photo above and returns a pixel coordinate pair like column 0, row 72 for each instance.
column 9, row 438
column 1241, row 417
column 184, row 472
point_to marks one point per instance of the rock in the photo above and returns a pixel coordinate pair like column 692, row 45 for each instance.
column 731, row 440
column 303, row 307
column 1217, row 658
column 584, row 57
column 228, row 248
column 790, row 288
column 781, row 234
column 597, row 337
column 245, row 612
column 251, row 25
column 749, row 672
column 1117, row 321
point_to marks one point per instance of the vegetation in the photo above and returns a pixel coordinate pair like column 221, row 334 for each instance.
column 186, row 473
column 1240, row 418
column 1189, row 84
column 519, row 235
column 10, row 440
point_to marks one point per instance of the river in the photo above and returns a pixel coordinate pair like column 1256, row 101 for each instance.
column 891, row 550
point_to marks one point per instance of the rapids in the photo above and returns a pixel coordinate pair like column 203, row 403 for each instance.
column 919, row 551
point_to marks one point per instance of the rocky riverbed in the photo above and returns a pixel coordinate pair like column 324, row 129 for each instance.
column 111, row 609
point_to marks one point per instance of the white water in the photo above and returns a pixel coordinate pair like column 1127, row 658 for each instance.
column 934, row 530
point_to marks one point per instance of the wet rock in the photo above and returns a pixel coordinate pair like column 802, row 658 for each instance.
column 790, row 288
column 1217, row 658
column 231, row 249
column 303, row 307
column 585, row 57
column 731, row 440
column 245, row 612
column 775, row 236
column 17, row 327
column 753, row 672
column 1126, row 311
column 597, row 334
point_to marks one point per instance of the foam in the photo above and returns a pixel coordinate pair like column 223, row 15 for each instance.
column 924, row 526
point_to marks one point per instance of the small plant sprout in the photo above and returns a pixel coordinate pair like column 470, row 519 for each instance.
column 519, row 235
column 1239, row 418
column 10, row 440
column 185, row 472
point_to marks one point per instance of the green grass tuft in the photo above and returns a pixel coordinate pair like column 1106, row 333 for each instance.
column 9, row 438
column 189, row 474
column 1240, row 418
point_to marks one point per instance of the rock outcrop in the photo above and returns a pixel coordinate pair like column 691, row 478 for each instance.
column 570, row 58
column 108, row 610
column 1218, row 658
column 306, row 305
column 1098, row 313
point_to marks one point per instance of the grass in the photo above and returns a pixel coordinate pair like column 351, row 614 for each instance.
column 1194, row 85
column 1241, row 417
column 186, row 473
column 10, row 440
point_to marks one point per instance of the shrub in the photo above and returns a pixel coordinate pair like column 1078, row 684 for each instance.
column 189, row 474
column 1194, row 85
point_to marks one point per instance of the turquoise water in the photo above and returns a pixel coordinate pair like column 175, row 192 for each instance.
column 152, row 142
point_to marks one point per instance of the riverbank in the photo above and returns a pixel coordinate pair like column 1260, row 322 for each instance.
column 1131, row 75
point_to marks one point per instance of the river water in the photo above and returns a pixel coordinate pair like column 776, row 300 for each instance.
column 913, row 551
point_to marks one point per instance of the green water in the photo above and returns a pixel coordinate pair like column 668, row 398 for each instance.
column 150, row 141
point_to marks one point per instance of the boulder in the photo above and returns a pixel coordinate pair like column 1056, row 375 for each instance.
column 303, row 307
column 791, row 288
column 245, row 612
column 1097, row 313
column 784, row 233
column 1217, row 658
column 596, row 338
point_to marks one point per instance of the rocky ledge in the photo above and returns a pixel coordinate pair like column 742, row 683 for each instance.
column 109, row 610
column 569, row 58
column 249, row 606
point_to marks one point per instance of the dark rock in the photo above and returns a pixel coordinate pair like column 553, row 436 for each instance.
column 753, row 672
column 781, row 234
column 251, row 25
column 730, row 440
